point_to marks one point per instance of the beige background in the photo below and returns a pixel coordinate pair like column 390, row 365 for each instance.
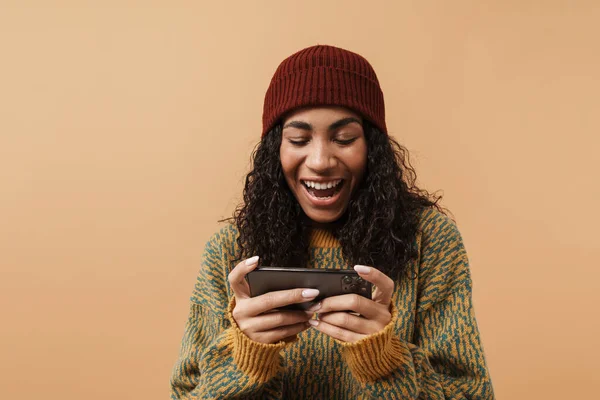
column 126, row 129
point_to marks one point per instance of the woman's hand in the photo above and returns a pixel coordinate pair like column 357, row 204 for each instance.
column 374, row 314
column 258, row 317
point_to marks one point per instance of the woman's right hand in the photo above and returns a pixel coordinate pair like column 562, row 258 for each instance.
column 259, row 317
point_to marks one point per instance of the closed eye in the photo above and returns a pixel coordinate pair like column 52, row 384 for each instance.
column 345, row 142
column 298, row 142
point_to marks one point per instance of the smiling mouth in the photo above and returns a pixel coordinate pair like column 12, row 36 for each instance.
column 323, row 190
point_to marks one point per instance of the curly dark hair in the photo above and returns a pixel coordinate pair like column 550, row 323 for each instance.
column 378, row 229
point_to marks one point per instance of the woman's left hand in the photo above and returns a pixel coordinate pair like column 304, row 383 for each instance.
column 335, row 321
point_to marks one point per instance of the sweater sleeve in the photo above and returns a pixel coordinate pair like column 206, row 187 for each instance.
column 445, row 360
column 216, row 359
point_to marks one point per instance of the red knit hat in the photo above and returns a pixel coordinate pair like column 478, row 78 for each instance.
column 324, row 75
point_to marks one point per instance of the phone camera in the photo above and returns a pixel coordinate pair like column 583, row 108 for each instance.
column 347, row 280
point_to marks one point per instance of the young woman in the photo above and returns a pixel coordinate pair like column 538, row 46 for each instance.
column 330, row 189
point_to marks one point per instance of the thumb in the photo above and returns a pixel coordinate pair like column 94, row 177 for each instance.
column 237, row 277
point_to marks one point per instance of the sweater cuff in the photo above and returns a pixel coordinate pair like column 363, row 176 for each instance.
column 260, row 361
column 376, row 355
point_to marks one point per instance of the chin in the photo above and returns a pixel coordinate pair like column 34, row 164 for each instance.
column 324, row 217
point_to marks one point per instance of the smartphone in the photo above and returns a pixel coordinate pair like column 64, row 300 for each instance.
column 329, row 282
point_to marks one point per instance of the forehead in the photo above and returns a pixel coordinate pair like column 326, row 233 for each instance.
column 320, row 114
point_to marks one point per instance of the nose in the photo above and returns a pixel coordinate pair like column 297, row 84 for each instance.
column 320, row 158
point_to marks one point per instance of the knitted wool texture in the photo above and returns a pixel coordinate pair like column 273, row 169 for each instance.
column 324, row 75
column 429, row 350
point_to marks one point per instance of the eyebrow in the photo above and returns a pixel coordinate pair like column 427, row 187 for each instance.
column 308, row 127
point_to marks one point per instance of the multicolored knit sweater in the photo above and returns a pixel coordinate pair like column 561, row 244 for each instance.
column 429, row 350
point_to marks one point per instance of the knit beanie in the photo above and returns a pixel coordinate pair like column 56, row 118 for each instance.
column 324, row 75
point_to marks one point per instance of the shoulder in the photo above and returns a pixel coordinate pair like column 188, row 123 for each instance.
column 221, row 249
column 438, row 236
column 224, row 239
column 434, row 224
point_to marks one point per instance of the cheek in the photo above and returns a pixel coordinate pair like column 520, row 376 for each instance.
column 359, row 163
column 288, row 164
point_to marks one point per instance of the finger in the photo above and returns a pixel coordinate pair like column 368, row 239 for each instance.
column 281, row 333
column 384, row 285
column 273, row 320
column 352, row 302
column 336, row 332
column 268, row 301
column 237, row 277
column 351, row 322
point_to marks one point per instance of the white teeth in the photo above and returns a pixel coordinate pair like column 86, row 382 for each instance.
column 322, row 185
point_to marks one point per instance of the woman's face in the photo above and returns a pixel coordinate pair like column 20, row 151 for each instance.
column 324, row 156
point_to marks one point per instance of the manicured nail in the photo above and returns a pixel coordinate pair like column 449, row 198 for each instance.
column 362, row 269
column 313, row 322
column 252, row 260
column 310, row 293
column 315, row 307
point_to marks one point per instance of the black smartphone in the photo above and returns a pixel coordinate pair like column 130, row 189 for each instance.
column 329, row 282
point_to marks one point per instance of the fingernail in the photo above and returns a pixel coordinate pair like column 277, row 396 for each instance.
column 313, row 322
column 252, row 260
column 362, row 269
column 315, row 307
column 310, row 293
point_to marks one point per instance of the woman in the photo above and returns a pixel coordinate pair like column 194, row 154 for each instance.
column 330, row 189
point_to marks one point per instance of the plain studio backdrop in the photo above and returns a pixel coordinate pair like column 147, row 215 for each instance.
column 126, row 130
